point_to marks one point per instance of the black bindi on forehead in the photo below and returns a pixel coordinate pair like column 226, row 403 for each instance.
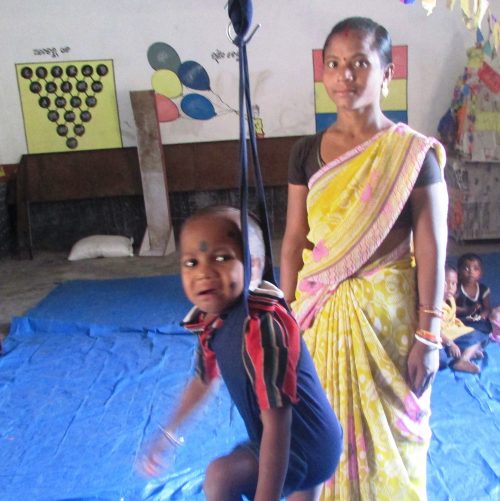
column 233, row 234
column 203, row 246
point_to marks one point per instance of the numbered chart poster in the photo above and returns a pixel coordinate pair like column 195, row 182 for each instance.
column 69, row 106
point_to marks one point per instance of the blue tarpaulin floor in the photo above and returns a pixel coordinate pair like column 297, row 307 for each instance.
column 89, row 372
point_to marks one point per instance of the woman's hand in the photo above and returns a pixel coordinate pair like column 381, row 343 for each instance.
column 423, row 363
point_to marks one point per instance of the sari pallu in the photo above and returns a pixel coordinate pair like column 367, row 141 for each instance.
column 358, row 318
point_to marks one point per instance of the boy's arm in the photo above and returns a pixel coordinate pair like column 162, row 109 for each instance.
column 453, row 348
column 153, row 458
column 486, row 310
column 192, row 396
column 274, row 453
column 464, row 310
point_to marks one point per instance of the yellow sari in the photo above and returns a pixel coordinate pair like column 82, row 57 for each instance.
column 358, row 319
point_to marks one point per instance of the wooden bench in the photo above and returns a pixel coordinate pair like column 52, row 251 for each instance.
column 77, row 175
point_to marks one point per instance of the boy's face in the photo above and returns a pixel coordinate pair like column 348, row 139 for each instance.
column 450, row 284
column 470, row 271
column 211, row 262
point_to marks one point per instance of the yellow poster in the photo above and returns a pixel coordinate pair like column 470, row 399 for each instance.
column 69, row 105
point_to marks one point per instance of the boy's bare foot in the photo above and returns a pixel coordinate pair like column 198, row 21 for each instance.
column 466, row 366
column 478, row 354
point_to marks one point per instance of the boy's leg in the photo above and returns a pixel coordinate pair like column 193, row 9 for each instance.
column 479, row 354
column 309, row 495
column 470, row 352
column 466, row 366
column 230, row 477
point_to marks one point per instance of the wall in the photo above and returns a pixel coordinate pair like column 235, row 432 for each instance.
column 279, row 54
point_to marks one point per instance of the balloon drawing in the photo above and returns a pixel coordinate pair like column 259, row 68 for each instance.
column 167, row 83
column 194, row 76
column 167, row 110
column 162, row 56
column 169, row 80
column 197, row 106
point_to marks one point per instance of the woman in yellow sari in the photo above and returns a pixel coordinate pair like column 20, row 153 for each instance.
column 362, row 264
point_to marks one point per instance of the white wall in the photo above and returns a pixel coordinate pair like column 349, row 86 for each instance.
column 279, row 56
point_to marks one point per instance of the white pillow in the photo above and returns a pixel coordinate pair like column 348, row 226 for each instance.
column 101, row 246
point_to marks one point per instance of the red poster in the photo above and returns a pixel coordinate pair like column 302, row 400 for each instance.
column 490, row 77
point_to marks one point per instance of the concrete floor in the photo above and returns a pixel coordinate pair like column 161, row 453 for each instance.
column 26, row 282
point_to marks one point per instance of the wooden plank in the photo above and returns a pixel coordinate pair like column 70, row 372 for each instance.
column 159, row 237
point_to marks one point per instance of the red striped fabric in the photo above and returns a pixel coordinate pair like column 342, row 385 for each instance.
column 271, row 352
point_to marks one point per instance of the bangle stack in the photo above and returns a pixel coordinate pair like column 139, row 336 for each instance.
column 431, row 310
column 171, row 437
column 428, row 338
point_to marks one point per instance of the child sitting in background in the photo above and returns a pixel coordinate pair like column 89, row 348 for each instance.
column 495, row 324
column 295, row 439
column 461, row 343
column 473, row 297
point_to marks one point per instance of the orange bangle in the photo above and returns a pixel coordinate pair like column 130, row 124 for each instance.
column 429, row 307
column 435, row 312
column 428, row 335
column 428, row 338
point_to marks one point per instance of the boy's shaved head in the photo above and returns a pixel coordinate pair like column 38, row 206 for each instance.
column 255, row 235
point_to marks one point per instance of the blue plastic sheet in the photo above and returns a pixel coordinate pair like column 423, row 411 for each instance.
column 90, row 372
column 155, row 304
column 77, row 407
column 88, row 375
column 464, row 457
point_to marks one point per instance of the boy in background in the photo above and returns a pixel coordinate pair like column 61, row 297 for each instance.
column 473, row 297
column 461, row 343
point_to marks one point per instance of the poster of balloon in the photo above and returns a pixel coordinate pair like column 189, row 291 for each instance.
column 181, row 87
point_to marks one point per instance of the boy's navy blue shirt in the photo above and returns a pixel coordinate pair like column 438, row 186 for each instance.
column 265, row 364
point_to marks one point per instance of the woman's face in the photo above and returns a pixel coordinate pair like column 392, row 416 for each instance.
column 353, row 74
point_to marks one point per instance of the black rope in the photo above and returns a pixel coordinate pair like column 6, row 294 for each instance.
column 240, row 13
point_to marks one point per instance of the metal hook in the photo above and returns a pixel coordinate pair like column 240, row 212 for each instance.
column 257, row 26
column 228, row 32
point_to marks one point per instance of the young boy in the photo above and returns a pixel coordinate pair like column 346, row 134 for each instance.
column 473, row 297
column 294, row 437
column 462, row 343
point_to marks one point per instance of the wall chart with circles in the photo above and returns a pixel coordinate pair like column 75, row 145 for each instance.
column 69, row 105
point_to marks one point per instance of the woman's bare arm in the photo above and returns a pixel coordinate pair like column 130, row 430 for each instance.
column 429, row 213
column 294, row 239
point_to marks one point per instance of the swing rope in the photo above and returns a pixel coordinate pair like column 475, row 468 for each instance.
column 240, row 14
